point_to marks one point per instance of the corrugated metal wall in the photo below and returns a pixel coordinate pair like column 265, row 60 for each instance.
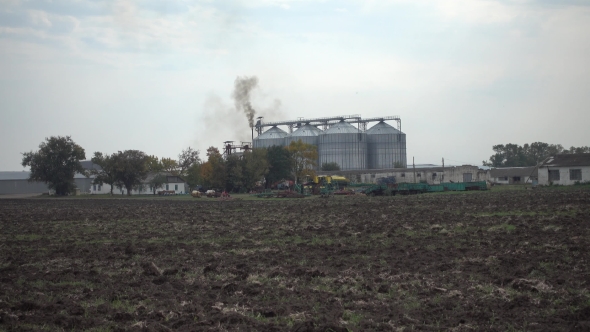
column 26, row 187
column 387, row 147
column 22, row 187
column 271, row 137
column 348, row 150
column 380, row 147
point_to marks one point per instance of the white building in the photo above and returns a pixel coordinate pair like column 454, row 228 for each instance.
column 430, row 175
column 173, row 185
column 565, row 169
column 513, row 175
column 18, row 183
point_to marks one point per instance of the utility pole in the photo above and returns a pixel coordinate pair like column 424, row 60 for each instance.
column 443, row 176
column 414, row 166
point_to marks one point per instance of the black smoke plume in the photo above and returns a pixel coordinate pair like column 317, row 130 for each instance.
column 243, row 86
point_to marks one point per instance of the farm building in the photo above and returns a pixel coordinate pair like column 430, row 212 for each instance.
column 430, row 175
column 172, row 184
column 18, row 183
column 565, row 169
column 513, row 175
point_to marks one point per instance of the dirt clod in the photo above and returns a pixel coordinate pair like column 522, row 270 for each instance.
column 508, row 260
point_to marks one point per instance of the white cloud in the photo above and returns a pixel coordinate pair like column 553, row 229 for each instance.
column 502, row 60
column 125, row 14
column 39, row 18
column 477, row 11
column 469, row 11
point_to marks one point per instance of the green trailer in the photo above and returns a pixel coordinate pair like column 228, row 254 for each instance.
column 463, row 186
column 412, row 188
column 418, row 188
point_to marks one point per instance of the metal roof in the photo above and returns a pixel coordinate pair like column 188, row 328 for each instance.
column 170, row 178
column 14, row 175
column 307, row 130
column 382, row 128
column 342, row 128
column 272, row 133
column 565, row 160
column 24, row 175
column 88, row 164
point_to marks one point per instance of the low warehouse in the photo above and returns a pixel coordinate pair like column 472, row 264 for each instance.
column 565, row 169
column 18, row 183
column 430, row 175
column 514, row 175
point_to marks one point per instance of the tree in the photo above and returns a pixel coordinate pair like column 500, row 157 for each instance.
column 106, row 173
column 187, row 159
column 169, row 165
column 130, row 168
column 514, row 155
column 582, row 149
column 279, row 164
column 193, row 176
column 234, row 172
column 154, row 165
column 304, row 159
column 213, row 171
column 56, row 163
column 332, row 166
column 157, row 182
column 255, row 167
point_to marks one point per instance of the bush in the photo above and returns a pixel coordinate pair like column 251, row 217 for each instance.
column 330, row 167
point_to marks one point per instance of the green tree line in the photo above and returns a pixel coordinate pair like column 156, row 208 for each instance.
column 514, row 155
column 58, row 160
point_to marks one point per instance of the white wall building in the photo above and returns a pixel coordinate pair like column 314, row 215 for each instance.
column 565, row 169
column 18, row 183
column 173, row 185
column 513, row 175
column 430, row 175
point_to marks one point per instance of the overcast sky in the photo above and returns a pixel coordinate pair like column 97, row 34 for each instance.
column 157, row 76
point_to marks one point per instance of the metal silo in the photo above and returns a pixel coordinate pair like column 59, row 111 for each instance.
column 345, row 145
column 387, row 146
column 307, row 134
column 273, row 136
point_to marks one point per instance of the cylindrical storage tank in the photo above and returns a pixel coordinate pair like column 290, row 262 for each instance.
column 345, row 145
column 386, row 146
column 307, row 134
column 273, row 136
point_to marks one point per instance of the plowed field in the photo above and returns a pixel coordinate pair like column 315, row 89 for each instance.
column 512, row 260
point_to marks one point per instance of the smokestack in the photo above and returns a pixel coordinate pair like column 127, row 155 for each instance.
column 243, row 86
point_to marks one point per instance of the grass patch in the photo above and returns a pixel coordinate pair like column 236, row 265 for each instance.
column 27, row 237
column 502, row 227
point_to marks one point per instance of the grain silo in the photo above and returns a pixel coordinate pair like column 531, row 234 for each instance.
column 344, row 145
column 386, row 146
column 307, row 134
column 273, row 136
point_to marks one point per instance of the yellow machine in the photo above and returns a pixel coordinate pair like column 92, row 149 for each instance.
column 336, row 179
column 326, row 185
column 341, row 180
